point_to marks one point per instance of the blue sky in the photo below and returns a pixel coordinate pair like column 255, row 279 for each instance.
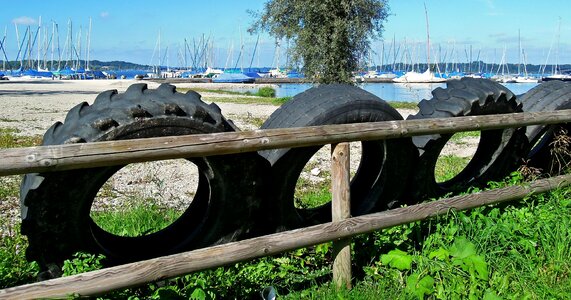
column 129, row 30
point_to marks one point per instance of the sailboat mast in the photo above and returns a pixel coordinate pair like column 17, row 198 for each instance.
column 254, row 53
column 45, row 49
column 69, row 47
column 3, row 51
column 58, row 48
column 557, row 50
column 427, row 37
column 39, row 42
column 382, row 56
column 519, row 41
column 470, row 60
column 78, row 49
column 396, row 54
column 88, row 46
column 53, row 45
column 186, row 64
column 18, row 42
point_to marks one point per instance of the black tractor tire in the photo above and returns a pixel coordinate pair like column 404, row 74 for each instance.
column 548, row 96
column 499, row 152
column 378, row 182
column 56, row 205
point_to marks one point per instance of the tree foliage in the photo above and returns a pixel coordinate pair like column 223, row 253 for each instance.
column 328, row 37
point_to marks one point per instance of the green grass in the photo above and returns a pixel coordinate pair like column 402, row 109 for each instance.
column 9, row 187
column 14, row 268
column 137, row 220
column 312, row 194
column 448, row 166
column 512, row 252
column 264, row 95
column 10, row 139
column 403, row 105
column 361, row 290
column 212, row 91
column 256, row 121
column 457, row 137
column 264, row 92
column 249, row 100
column 7, row 120
column 519, row 251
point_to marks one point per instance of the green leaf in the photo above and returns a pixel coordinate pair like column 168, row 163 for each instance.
column 420, row 286
column 198, row 294
column 478, row 263
column 462, row 248
column 491, row 295
column 397, row 259
column 440, row 254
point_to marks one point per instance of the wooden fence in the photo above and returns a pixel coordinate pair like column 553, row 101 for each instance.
column 340, row 230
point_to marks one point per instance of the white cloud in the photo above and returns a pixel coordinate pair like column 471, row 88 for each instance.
column 24, row 21
column 104, row 14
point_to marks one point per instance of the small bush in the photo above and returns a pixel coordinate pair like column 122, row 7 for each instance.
column 266, row 92
column 81, row 263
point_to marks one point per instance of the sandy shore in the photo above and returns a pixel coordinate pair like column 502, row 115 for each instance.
column 33, row 106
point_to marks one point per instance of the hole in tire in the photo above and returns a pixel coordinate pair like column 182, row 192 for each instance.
column 313, row 187
column 143, row 198
column 456, row 155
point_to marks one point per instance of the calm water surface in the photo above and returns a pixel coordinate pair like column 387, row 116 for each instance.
column 402, row 92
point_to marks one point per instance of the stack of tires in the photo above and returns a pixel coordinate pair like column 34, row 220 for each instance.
column 249, row 194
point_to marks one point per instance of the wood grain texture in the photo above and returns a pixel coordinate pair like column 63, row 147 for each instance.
column 88, row 155
column 138, row 273
column 341, row 210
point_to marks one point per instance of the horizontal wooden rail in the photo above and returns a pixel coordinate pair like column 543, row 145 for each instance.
column 138, row 273
column 88, row 155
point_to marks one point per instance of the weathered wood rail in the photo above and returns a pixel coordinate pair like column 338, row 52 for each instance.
column 64, row 157
column 89, row 155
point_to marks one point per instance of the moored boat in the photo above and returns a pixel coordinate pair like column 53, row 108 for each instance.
column 564, row 76
column 525, row 79
column 415, row 77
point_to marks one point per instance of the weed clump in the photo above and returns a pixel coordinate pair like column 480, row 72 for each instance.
column 560, row 149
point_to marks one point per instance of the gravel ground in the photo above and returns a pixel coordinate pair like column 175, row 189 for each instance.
column 32, row 107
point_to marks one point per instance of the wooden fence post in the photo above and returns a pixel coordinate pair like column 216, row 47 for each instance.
column 341, row 209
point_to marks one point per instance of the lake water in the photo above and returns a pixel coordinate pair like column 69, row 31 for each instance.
column 401, row 92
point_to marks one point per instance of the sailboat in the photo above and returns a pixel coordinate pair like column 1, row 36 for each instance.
column 428, row 76
column 416, row 77
column 525, row 78
column 557, row 75
column 504, row 76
